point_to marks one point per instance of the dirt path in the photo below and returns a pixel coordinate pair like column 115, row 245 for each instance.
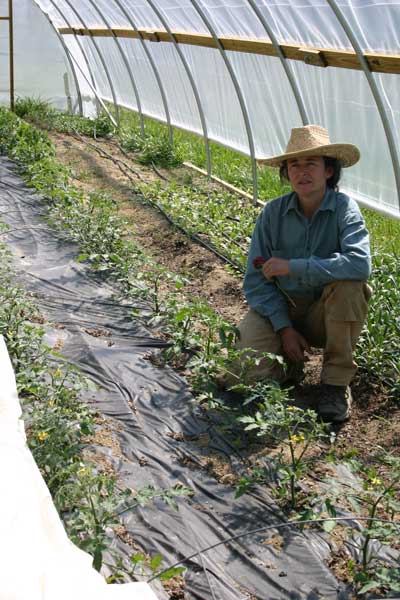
column 208, row 276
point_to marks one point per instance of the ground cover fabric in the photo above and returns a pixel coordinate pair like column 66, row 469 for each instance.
column 165, row 437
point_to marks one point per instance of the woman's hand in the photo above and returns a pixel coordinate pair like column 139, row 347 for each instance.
column 293, row 344
column 274, row 267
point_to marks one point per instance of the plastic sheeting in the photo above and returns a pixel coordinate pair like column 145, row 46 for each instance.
column 339, row 99
column 38, row 562
column 41, row 66
column 164, row 436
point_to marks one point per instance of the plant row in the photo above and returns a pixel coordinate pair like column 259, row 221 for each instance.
column 226, row 222
column 204, row 344
column 59, row 425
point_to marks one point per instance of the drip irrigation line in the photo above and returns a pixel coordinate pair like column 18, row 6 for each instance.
column 200, row 192
column 157, row 172
column 266, row 528
column 225, row 235
column 194, row 237
column 105, row 154
column 191, row 236
column 205, row 570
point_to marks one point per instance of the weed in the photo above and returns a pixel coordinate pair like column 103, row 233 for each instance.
column 152, row 149
column 43, row 114
column 377, row 348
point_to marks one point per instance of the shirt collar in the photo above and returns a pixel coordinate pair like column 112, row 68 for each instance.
column 328, row 202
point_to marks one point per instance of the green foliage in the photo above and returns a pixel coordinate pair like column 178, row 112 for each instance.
column 140, row 564
column 42, row 113
column 33, row 108
column 375, row 495
column 295, row 428
column 91, row 502
column 149, row 493
column 88, row 503
column 227, row 164
column 377, row 351
column 196, row 335
column 56, row 421
column 21, row 141
column 225, row 221
column 98, row 127
column 153, row 149
column 384, row 232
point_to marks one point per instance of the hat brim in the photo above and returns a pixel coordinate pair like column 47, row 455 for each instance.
column 348, row 155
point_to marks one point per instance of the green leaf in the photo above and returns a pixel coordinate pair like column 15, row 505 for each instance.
column 97, row 559
column 252, row 426
column 368, row 586
column 329, row 526
column 171, row 573
column 137, row 558
column 330, row 509
column 82, row 257
column 155, row 562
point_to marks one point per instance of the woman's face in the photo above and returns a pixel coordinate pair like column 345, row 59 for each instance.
column 308, row 176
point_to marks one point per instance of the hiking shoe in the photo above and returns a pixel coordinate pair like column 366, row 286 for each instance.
column 335, row 403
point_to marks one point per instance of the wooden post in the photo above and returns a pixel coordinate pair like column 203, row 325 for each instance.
column 11, row 36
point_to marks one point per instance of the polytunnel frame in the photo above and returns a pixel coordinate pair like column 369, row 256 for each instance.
column 374, row 90
column 153, row 66
column 192, row 83
column 67, row 53
column 103, row 62
column 93, row 84
column 126, row 63
column 342, row 21
column 239, row 94
column 282, row 58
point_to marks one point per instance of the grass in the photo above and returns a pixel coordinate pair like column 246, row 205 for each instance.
column 384, row 232
column 227, row 164
column 41, row 112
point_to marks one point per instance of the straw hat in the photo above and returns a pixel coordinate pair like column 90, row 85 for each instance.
column 313, row 140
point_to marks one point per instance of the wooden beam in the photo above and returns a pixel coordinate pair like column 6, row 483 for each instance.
column 317, row 57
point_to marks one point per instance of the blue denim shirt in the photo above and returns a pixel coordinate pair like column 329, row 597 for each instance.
column 333, row 245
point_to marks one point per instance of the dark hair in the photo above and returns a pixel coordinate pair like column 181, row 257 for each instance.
column 333, row 180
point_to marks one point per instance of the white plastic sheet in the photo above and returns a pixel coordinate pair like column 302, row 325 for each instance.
column 37, row 560
column 339, row 99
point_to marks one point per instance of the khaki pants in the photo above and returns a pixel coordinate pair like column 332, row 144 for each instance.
column 334, row 323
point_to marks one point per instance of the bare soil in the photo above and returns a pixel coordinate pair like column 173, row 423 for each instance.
column 375, row 422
